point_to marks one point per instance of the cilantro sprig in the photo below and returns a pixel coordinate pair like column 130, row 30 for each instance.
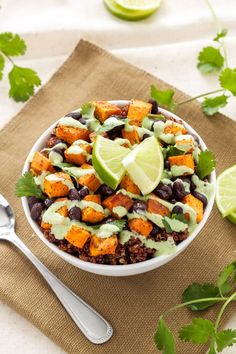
column 211, row 59
column 199, row 297
column 23, row 81
column 206, row 163
column 26, row 187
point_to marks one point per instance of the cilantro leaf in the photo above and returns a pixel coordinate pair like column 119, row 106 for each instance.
column 210, row 59
column 164, row 338
column 228, row 80
column 163, row 97
column 119, row 223
column 220, row 35
column 87, row 110
column 226, row 278
column 22, row 83
column 167, row 225
column 197, row 291
column 26, row 187
column 206, row 163
column 173, row 151
column 11, row 44
column 2, row 63
column 225, row 339
column 210, row 106
column 179, row 217
column 199, row 331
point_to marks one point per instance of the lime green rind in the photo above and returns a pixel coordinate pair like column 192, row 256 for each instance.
column 126, row 14
column 229, row 187
column 232, row 217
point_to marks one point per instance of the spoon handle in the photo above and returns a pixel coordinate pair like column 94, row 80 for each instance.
column 91, row 324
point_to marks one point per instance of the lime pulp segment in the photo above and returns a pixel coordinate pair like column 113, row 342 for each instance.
column 139, row 4
column 107, row 156
column 145, row 165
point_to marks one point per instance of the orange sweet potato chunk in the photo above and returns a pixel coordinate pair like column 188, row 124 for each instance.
column 89, row 180
column 118, row 199
column 57, row 188
column 91, row 215
column 127, row 184
column 71, row 134
column 196, row 204
column 104, row 110
column 132, row 136
column 100, row 246
column 143, row 227
column 45, row 225
column 155, row 207
column 40, row 163
column 79, row 158
column 175, row 129
column 182, row 160
column 77, row 236
column 93, row 136
column 96, row 198
column 137, row 111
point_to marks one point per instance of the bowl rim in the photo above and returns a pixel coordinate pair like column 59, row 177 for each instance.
column 117, row 270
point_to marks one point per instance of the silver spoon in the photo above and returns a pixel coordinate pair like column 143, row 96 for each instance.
column 91, row 324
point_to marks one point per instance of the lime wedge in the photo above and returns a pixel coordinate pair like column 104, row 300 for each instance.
column 232, row 217
column 226, row 191
column 145, row 165
column 107, row 156
column 129, row 12
column 141, row 5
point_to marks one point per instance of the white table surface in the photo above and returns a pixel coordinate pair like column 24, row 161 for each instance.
column 166, row 45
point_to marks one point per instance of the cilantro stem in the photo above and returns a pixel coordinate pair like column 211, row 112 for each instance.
column 8, row 57
column 232, row 297
column 196, row 301
column 219, row 29
column 199, row 96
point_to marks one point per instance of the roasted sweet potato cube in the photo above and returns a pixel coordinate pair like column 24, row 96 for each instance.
column 77, row 236
column 175, row 129
column 63, row 211
column 104, row 110
column 118, row 199
column 182, row 160
column 40, row 163
column 45, row 225
column 155, row 207
column 55, row 184
column 86, row 166
column 195, row 204
column 100, row 246
column 93, row 198
column 141, row 226
column 71, row 134
column 77, row 157
column 93, row 136
column 137, row 111
column 90, row 180
column 132, row 136
column 182, row 142
column 127, row 184
column 91, row 215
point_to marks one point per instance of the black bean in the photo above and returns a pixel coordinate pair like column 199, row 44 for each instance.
column 36, row 211
column 139, row 205
column 73, row 194
column 155, row 230
column 163, row 191
column 105, row 191
column 167, row 164
column 113, row 134
column 90, row 162
column 145, row 136
column 83, row 192
column 48, row 202
column 192, row 186
column 173, row 201
column 178, row 190
column 201, row 197
column 75, row 213
column 195, row 137
column 75, row 115
column 59, row 151
column 32, row 201
column 177, row 210
column 154, row 106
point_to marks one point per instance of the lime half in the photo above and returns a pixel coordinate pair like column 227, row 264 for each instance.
column 226, row 191
column 232, row 217
column 145, row 165
column 132, row 10
column 106, row 158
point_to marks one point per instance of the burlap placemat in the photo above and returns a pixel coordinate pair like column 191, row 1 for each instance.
column 133, row 304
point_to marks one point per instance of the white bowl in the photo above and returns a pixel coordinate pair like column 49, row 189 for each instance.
column 117, row 270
